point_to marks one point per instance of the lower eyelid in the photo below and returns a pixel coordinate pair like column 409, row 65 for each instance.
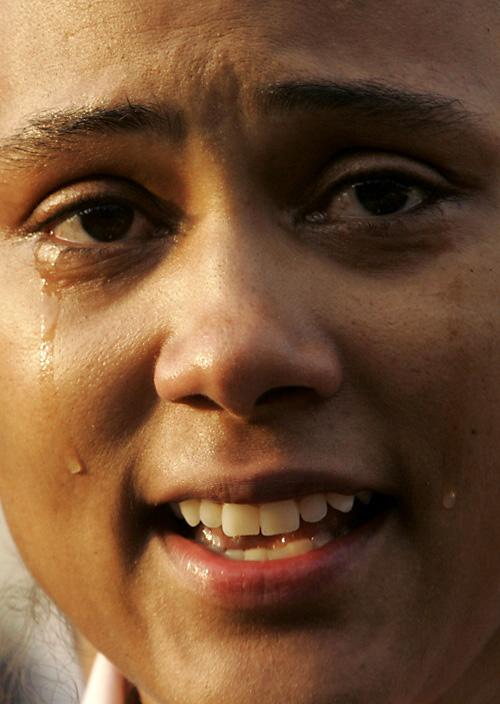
column 405, row 221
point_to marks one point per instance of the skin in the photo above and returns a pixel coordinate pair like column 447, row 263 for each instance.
column 247, row 336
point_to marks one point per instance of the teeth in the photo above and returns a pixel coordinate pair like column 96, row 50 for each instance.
column 240, row 519
column 210, row 514
column 321, row 539
column 256, row 554
column 190, row 510
column 313, row 508
column 279, row 517
column 298, row 547
column 277, row 553
column 274, row 518
column 340, row 502
column 293, row 549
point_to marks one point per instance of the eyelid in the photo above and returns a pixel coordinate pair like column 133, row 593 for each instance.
column 352, row 165
column 388, row 175
column 70, row 212
column 431, row 193
column 69, row 201
column 411, row 173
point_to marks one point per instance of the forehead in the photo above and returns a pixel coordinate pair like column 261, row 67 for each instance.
column 62, row 53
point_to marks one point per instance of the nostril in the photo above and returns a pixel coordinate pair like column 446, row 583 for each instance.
column 287, row 393
column 199, row 401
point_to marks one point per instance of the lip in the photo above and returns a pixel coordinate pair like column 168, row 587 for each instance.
column 239, row 585
column 262, row 484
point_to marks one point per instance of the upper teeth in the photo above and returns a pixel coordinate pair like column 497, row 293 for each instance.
column 269, row 519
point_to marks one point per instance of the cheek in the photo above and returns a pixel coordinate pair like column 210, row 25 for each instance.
column 105, row 364
column 26, row 427
column 82, row 404
column 425, row 357
column 64, row 523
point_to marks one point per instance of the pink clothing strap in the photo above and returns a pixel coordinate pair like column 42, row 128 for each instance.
column 107, row 685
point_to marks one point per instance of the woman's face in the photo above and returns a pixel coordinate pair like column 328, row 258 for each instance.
column 250, row 254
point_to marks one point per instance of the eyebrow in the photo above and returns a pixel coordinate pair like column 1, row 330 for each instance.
column 370, row 99
column 54, row 132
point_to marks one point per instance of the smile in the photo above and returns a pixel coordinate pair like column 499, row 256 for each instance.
column 271, row 537
column 274, row 530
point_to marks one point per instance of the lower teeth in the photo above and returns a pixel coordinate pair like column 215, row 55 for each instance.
column 292, row 549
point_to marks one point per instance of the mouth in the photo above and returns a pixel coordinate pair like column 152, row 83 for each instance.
column 270, row 538
column 271, row 531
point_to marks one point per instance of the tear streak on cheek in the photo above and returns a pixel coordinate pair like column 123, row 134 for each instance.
column 46, row 256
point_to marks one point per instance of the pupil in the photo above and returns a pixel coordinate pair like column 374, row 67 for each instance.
column 382, row 197
column 107, row 223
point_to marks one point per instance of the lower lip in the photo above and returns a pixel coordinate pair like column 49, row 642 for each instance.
column 236, row 584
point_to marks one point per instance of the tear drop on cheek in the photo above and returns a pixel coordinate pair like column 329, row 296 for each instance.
column 74, row 463
column 46, row 256
column 449, row 500
column 49, row 307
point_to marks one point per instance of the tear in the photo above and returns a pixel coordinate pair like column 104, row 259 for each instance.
column 449, row 500
column 46, row 257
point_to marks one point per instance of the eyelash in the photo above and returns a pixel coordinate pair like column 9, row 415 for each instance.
column 80, row 206
column 433, row 196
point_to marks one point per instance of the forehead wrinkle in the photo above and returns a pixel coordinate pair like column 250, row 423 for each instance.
column 49, row 132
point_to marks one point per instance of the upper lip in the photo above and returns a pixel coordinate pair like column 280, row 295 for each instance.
column 263, row 484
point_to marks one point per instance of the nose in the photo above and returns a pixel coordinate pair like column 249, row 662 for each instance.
column 244, row 336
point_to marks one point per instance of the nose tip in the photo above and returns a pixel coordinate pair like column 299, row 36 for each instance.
column 241, row 370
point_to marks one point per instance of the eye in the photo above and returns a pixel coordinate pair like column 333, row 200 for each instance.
column 104, row 223
column 374, row 197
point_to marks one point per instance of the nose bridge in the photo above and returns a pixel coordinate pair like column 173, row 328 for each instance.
column 238, row 285
column 243, row 282
column 242, row 329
